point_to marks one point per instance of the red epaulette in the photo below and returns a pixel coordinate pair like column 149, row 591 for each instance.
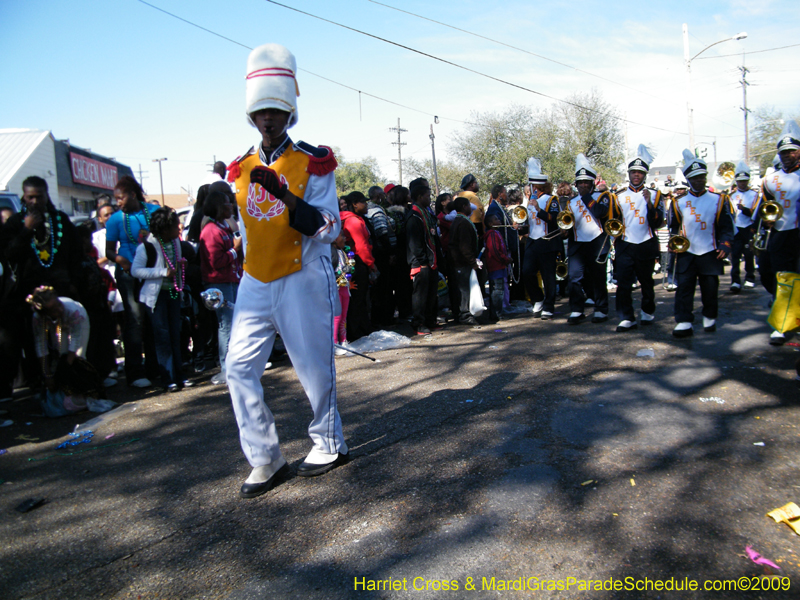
column 322, row 165
column 234, row 170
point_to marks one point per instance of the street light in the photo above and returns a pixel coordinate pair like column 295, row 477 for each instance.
column 688, row 62
column 159, row 161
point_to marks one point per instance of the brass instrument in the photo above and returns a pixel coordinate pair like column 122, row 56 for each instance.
column 519, row 215
column 614, row 228
column 565, row 221
column 769, row 212
column 562, row 270
column 677, row 244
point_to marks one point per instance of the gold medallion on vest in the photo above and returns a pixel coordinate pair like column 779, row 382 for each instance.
column 274, row 248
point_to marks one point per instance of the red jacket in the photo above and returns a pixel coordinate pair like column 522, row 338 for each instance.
column 495, row 255
column 357, row 234
column 219, row 262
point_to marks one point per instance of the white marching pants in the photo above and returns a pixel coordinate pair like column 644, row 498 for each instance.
column 300, row 308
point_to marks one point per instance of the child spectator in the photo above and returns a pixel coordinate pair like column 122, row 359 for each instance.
column 161, row 266
column 497, row 259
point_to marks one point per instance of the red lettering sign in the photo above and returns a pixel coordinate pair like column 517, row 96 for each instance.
column 92, row 172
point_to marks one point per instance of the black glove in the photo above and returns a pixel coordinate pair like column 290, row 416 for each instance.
column 268, row 179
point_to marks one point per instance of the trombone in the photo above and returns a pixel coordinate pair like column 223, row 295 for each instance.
column 769, row 212
column 519, row 214
column 562, row 270
column 565, row 221
column 614, row 228
column 678, row 244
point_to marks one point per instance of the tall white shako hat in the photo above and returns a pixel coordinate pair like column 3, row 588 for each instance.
column 583, row 170
column 790, row 136
column 692, row 165
column 271, row 82
column 535, row 175
column 742, row 172
column 642, row 160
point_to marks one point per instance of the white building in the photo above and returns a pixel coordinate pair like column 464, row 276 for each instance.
column 75, row 177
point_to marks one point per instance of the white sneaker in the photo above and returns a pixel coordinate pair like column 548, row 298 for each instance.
column 749, row 284
column 144, row 382
column 546, row 315
column 538, row 307
column 589, row 302
column 647, row 317
column 575, row 315
column 268, row 366
column 777, row 338
column 110, row 382
column 709, row 325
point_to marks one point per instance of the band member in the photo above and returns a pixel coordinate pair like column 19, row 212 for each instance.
column 642, row 212
column 744, row 203
column 587, row 246
column 783, row 188
column 544, row 242
column 704, row 218
column 287, row 199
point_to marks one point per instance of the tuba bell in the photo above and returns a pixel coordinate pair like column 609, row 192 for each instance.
column 519, row 215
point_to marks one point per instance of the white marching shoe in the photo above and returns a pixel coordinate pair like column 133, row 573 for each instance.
column 683, row 330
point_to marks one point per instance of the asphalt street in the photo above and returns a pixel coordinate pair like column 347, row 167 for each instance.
column 489, row 457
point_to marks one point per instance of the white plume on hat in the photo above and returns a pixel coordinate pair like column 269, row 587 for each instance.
column 642, row 160
column 692, row 165
column 271, row 82
column 790, row 136
column 742, row 172
column 535, row 174
column 583, row 170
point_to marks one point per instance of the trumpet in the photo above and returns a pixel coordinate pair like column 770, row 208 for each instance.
column 614, row 228
column 678, row 244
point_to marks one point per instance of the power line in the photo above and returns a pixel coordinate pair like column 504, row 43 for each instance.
column 382, row 99
column 483, row 37
column 753, row 52
column 462, row 67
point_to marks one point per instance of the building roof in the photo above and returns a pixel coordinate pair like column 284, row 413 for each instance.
column 175, row 201
column 16, row 146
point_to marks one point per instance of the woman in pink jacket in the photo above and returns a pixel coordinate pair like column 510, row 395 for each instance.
column 220, row 252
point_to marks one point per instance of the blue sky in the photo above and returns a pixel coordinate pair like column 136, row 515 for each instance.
column 130, row 82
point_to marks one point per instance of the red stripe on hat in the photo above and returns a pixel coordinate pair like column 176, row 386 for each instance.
column 271, row 72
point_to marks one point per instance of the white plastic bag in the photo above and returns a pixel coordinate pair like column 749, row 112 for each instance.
column 380, row 340
column 476, row 306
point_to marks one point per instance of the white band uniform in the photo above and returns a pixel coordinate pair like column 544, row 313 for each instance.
column 300, row 307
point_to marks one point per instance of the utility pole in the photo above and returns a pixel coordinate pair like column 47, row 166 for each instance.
column 745, row 110
column 399, row 145
column 433, row 154
column 161, row 177
column 141, row 176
